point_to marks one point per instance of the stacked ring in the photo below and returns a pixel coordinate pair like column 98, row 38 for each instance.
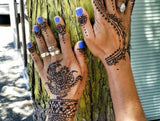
column 43, row 55
column 55, row 52
column 51, row 48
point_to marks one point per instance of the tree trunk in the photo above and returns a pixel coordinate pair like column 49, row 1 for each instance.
column 95, row 103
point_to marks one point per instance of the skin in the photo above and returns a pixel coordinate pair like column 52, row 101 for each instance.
column 72, row 60
column 102, row 40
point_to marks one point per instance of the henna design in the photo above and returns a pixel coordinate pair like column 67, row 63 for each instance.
column 82, row 20
column 114, row 58
column 44, row 27
column 62, row 109
column 61, row 31
column 61, row 79
column 31, row 50
column 38, row 34
column 119, row 54
column 113, row 5
column 83, row 51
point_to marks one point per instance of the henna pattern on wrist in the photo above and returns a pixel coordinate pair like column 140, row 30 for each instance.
column 61, row 79
column 82, row 21
column 114, row 58
column 62, row 109
column 119, row 54
column 61, row 31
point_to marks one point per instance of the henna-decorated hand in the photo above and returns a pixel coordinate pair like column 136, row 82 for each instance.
column 63, row 74
column 109, row 38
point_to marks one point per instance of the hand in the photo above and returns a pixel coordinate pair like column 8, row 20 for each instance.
column 63, row 73
column 109, row 38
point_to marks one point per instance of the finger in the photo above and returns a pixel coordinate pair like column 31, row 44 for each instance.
column 40, row 42
column 85, row 25
column 118, row 3
column 63, row 37
column 130, row 6
column 35, row 57
column 111, row 6
column 79, row 52
column 99, row 9
column 46, row 32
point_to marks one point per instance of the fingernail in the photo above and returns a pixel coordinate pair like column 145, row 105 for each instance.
column 40, row 20
column 36, row 28
column 81, row 45
column 79, row 11
column 57, row 19
column 29, row 45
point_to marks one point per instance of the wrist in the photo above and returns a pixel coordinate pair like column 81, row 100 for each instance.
column 62, row 109
column 121, row 63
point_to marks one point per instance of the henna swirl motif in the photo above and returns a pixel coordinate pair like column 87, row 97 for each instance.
column 61, row 79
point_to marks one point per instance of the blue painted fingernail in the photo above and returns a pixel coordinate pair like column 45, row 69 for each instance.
column 81, row 45
column 40, row 20
column 36, row 28
column 57, row 19
column 29, row 45
column 79, row 11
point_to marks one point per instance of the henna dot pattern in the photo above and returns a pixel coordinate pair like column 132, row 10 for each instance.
column 117, row 25
column 62, row 109
column 61, row 79
column 61, row 31
column 82, row 21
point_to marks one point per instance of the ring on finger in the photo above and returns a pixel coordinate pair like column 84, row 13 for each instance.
column 122, row 7
column 43, row 55
column 57, row 52
column 51, row 48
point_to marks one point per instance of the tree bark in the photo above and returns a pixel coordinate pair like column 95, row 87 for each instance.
column 95, row 103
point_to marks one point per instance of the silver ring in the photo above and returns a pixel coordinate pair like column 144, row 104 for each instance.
column 52, row 53
column 57, row 52
column 43, row 55
column 122, row 7
column 51, row 48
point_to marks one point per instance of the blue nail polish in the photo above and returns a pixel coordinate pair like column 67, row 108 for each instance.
column 40, row 20
column 36, row 28
column 81, row 45
column 29, row 45
column 79, row 11
column 57, row 19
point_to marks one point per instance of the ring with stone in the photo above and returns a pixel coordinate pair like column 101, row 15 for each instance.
column 51, row 48
column 122, row 7
column 43, row 55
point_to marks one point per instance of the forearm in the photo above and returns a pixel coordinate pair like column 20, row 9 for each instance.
column 62, row 109
column 123, row 91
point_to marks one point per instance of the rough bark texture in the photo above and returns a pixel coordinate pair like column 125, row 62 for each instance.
column 95, row 103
